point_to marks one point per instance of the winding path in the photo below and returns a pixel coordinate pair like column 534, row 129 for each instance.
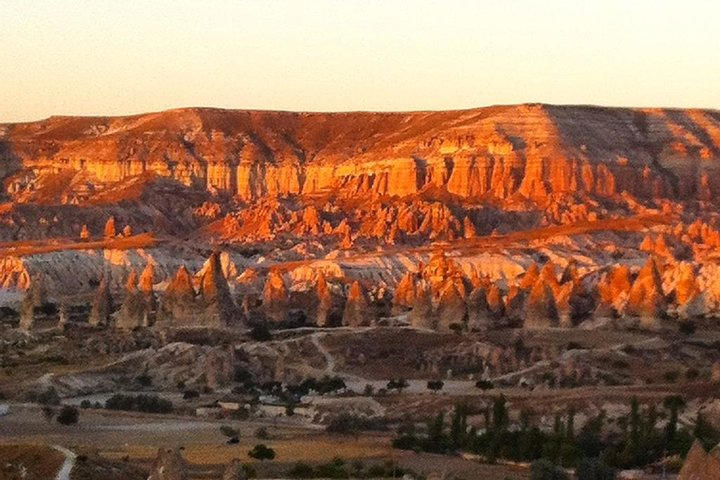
column 67, row 466
column 329, row 359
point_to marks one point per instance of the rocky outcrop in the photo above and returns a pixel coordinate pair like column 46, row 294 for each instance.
column 218, row 308
column 275, row 297
column 613, row 292
column 102, row 304
column 700, row 465
column 168, row 465
column 529, row 150
column 540, row 307
column 357, row 312
column 480, row 317
column 646, row 299
column 422, row 314
column 134, row 311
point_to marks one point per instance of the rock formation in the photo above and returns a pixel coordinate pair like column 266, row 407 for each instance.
column 102, row 304
column 422, row 314
column 405, row 292
column 480, row 317
column 646, row 299
column 178, row 301
column 218, row 306
column 540, row 307
column 110, row 230
column 134, row 310
column 700, row 465
column 168, row 465
column 275, row 297
column 451, row 311
column 146, row 287
column 27, row 312
column 357, row 312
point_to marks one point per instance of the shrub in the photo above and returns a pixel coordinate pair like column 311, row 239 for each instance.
column 229, row 431
column 190, row 394
column 398, row 384
column 260, row 333
column 49, row 397
column 593, row 469
column 301, row 470
column 692, row 373
column 435, row 385
column 68, row 415
column 671, row 376
column 546, row 470
column 249, row 470
column 48, row 412
column 144, row 380
column 262, row 452
column 687, row 327
column 484, row 385
column 85, row 404
column 262, row 433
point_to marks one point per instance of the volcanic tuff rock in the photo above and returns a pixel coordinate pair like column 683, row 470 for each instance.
column 532, row 150
column 700, row 465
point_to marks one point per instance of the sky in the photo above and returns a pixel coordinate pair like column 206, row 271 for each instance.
column 98, row 57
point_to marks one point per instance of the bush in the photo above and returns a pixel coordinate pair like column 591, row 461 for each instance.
column 671, row 376
column 144, row 380
column 260, row 333
column 301, row 470
column 86, row 404
column 262, row 452
column 484, row 385
column 593, row 469
column 692, row 373
column 49, row 397
column 48, row 412
column 435, row 385
column 190, row 394
column 348, row 423
column 68, row 415
column 262, row 433
column 687, row 327
column 546, row 470
column 249, row 470
column 398, row 384
column 229, row 431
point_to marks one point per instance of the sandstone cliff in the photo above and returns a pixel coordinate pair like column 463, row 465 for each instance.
column 529, row 150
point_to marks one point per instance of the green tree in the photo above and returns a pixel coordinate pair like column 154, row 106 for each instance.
column 435, row 385
column 458, row 426
column 262, row 452
column 546, row 470
column 593, row 469
column 68, row 415
column 436, row 436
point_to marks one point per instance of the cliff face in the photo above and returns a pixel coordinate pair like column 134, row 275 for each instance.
column 498, row 152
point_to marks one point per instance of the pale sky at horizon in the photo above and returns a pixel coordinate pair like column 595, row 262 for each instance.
column 100, row 57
